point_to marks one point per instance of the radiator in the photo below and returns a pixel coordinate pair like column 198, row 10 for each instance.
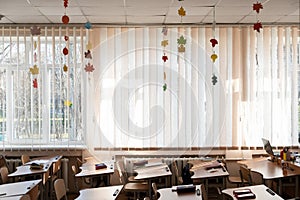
column 65, row 171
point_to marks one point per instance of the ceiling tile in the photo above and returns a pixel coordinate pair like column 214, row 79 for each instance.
column 115, row 11
column 107, row 19
column 29, row 19
column 145, row 19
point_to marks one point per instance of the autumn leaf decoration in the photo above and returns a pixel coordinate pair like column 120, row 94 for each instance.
column 89, row 67
column 257, row 7
column 164, row 44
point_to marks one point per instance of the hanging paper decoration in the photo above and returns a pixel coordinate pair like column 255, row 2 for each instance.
column 181, row 44
column 181, row 41
column 214, row 79
column 34, row 83
column 164, row 44
column 257, row 7
column 181, row 11
column 68, row 104
column 88, row 25
column 89, row 67
column 65, row 20
column 214, row 42
column 257, row 26
column 35, row 31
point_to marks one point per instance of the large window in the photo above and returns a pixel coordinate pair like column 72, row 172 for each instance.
column 255, row 96
column 43, row 107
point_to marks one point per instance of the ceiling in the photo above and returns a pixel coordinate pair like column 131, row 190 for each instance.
column 147, row 12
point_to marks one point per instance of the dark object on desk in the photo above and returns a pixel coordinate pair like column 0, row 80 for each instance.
column 268, row 147
column 100, row 166
column 36, row 166
column 116, row 192
column 270, row 191
column 244, row 194
column 184, row 188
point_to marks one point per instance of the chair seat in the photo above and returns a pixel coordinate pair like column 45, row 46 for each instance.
column 235, row 179
column 136, row 187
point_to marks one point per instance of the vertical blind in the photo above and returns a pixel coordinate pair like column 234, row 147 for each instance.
column 256, row 94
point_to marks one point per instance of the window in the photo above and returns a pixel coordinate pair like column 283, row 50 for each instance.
column 254, row 97
column 43, row 108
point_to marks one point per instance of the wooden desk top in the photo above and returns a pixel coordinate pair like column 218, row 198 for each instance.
column 88, row 169
column 259, row 190
column 153, row 172
column 269, row 169
column 18, row 188
column 44, row 159
column 25, row 170
column 168, row 194
column 104, row 193
column 200, row 171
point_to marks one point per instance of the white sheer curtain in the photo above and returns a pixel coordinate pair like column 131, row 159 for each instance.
column 255, row 96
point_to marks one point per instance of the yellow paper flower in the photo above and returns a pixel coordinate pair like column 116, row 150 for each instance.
column 181, row 11
column 68, row 103
column 164, row 43
column 89, row 46
column 65, row 68
column 34, row 70
column 214, row 57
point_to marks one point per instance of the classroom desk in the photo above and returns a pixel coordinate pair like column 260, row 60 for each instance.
column 168, row 194
column 17, row 189
column 152, row 172
column 271, row 170
column 259, row 190
column 88, row 169
column 25, row 170
column 202, row 174
column 104, row 193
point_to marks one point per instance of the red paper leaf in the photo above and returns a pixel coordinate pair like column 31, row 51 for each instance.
column 213, row 42
column 35, row 83
column 257, row 26
column 257, row 6
column 89, row 68
column 165, row 58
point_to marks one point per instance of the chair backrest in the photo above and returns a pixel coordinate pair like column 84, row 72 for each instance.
column 74, row 169
column 60, row 189
column 245, row 174
column 115, row 178
column 25, row 159
column 178, row 178
column 203, row 192
column 25, row 197
column 56, row 166
column 155, row 193
column 122, row 172
column 3, row 162
column 4, row 174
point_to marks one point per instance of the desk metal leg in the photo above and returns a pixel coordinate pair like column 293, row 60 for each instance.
column 297, row 186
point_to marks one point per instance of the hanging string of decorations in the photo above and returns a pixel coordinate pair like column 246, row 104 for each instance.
column 214, row 42
column 35, row 31
column 181, row 41
column 89, row 67
column 65, row 20
column 164, row 43
column 257, row 6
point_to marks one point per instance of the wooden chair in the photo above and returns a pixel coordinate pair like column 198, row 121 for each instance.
column 34, row 193
column 131, row 187
column 232, row 179
column 155, row 193
column 203, row 192
column 74, row 172
column 245, row 173
column 4, row 174
column 178, row 178
column 25, row 159
column 60, row 189
column 25, row 197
